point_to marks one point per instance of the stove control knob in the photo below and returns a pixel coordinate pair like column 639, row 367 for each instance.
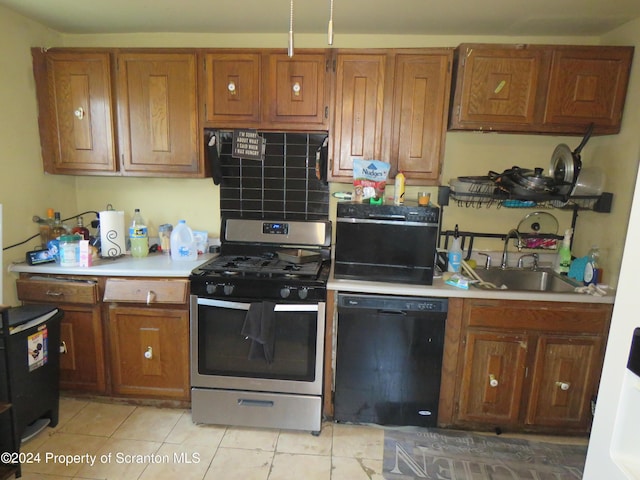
column 228, row 289
column 211, row 288
column 285, row 292
column 303, row 292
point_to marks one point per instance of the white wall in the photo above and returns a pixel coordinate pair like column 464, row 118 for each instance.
column 600, row 463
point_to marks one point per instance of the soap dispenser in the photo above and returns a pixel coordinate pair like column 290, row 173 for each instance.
column 454, row 257
column 563, row 260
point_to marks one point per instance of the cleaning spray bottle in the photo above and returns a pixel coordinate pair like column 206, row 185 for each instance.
column 563, row 260
column 454, row 256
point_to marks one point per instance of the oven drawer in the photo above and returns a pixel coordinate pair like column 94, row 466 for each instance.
column 256, row 409
column 146, row 291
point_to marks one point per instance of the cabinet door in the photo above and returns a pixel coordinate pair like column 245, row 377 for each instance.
column 492, row 377
column 158, row 114
column 232, row 89
column 295, row 90
column 358, row 110
column 82, row 355
column 565, row 378
column 421, row 102
column 496, row 86
column 150, row 351
column 76, row 124
column 588, row 84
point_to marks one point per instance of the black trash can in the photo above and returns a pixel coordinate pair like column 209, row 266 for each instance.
column 30, row 370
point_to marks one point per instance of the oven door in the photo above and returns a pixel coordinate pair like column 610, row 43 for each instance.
column 220, row 353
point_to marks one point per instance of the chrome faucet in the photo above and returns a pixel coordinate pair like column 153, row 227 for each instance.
column 535, row 257
column 510, row 234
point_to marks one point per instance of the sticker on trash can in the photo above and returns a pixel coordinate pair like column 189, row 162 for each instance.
column 37, row 348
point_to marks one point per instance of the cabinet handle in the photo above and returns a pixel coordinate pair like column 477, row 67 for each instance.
column 149, row 353
column 563, row 385
column 232, row 88
column 151, row 297
column 79, row 113
column 493, row 381
column 54, row 294
column 297, row 88
column 500, row 86
column 63, row 347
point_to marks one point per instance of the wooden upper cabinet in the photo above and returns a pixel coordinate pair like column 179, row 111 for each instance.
column 297, row 90
column 158, row 120
column 232, row 89
column 75, row 112
column 391, row 105
column 496, row 86
column 540, row 88
column 420, row 109
column 358, row 110
column 588, row 84
column 265, row 89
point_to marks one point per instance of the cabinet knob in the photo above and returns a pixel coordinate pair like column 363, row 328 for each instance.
column 151, row 296
column 63, row 347
column 79, row 113
column 232, row 88
column 297, row 88
column 563, row 385
column 149, row 353
column 493, row 381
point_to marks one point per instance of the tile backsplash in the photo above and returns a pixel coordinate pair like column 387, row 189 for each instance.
column 284, row 185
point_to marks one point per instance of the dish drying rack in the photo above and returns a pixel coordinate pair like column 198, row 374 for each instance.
column 487, row 195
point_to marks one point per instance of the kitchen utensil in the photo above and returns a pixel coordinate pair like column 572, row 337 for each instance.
column 565, row 165
column 539, row 224
column 524, row 183
column 297, row 255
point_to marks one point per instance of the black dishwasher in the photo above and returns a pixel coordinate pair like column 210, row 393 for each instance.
column 389, row 359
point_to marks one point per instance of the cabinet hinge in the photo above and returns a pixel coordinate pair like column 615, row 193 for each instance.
column 526, row 372
column 204, row 64
column 326, row 112
column 327, row 65
column 458, row 110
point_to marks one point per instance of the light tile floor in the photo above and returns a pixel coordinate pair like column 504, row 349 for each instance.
column 134, row 442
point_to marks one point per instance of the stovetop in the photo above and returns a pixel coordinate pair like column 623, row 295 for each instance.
column 259, row 266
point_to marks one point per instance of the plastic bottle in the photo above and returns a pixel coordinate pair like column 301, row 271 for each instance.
column 138, row 235
column 591, row 269
column 398, row 193
column 44, row 226
column 454, row 257
column 563, row 260
column 58, row 228
column 183, row 243
column 80, row 229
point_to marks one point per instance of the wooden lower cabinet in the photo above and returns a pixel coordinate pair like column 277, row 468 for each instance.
column 492, row 389
column 524, row 366
column 82, row 356
column 149, row 351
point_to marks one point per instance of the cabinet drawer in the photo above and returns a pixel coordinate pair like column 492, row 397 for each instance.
column 545, row 316
column 57, row 291
column 146, row 291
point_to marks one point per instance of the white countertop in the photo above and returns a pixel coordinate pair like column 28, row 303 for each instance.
column 440, row 289
column 154, row 265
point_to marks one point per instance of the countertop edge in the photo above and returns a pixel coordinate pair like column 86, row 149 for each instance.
column 440, row 289
column 157, row 265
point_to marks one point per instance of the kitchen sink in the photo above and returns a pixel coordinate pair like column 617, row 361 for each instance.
column 540, row 280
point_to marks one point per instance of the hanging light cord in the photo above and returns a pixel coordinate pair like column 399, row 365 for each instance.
column 330, row 22
column 290, row 51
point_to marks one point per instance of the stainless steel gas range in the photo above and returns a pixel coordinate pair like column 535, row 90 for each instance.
column 258, row 325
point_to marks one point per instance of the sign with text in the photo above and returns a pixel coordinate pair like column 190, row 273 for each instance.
column 248, row 144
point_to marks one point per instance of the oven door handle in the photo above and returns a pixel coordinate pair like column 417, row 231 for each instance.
column 280, row 307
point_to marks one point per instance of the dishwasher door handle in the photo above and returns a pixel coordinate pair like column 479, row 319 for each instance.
column 393, row 312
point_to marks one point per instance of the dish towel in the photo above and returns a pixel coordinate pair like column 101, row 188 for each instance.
column 213, row 156
column 260, row 326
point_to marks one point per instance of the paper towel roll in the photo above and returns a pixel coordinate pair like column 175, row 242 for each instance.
column 112, row 234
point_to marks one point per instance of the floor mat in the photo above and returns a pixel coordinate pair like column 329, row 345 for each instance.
column 454, row 455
